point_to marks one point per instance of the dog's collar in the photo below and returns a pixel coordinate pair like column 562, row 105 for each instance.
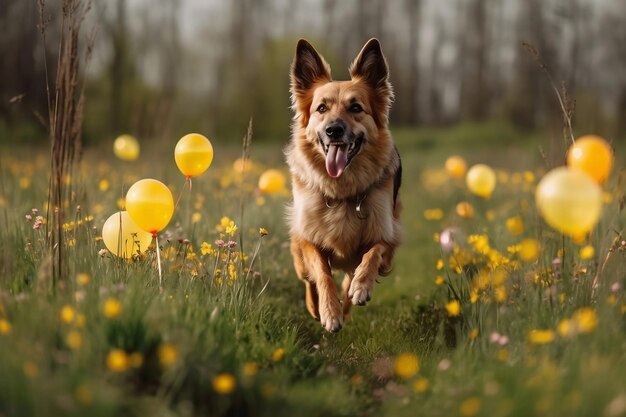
column 359, row 198
column 356, row 200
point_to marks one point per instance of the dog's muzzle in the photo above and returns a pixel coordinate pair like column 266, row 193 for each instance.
column 340, row 154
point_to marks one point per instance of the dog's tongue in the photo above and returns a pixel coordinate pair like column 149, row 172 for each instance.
column 336, row 160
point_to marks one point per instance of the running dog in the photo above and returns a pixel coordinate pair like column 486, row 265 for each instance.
column 346, row 174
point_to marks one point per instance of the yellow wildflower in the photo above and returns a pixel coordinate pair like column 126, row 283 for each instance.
column 231, row 229
column 67, row 314
column 439, row 280
column 121, row 203
column 83, row 279
column 224, row 383
column 263, row 231
column 433, row 214
column 453, row 308
column 117, row 360
column 5, row 327
column 566, row 328
column 232, row 271
column 439, row 265
column 420, row 385
column 84, row 394
column 104, row 185
column 529, row 250
column 168, row 355
column 249, row 369
column 480, row 243
column 112, row 308
column 500, row 294
column 515, row 225
column 470, row 407
column 502, row 355
column 356, row 379
column 30, row 369
column 587, row 252
column 206, row 249
column 586, row 319
column 278, row 354
column 224, row 223
column 406, row 365
column 196, row 217
column 74, row 340
column 25, row 183
column 473, row 334
column 529, row 177
column 611, row 300
column 541, row 337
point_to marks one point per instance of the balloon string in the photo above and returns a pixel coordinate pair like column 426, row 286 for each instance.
column 182, row 190
column 159, row 260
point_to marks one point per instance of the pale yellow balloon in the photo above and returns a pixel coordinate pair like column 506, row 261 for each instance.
column 126, row 147
column 193, row 154
column 481, row 180
column 272, row 181
column 123, row 237
column 150, row 204
column 569, row 200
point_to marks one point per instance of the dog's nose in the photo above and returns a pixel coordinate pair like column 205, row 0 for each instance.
column 335, row 130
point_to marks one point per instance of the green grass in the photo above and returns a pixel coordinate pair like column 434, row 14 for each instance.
column 282, row 361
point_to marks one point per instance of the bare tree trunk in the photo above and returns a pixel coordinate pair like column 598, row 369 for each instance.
column 413, row 87
column 119, row 37
column 474, row 87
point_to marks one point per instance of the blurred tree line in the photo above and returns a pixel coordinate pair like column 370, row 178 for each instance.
column 168, row 67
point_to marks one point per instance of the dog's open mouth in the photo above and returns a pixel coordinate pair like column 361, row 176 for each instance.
column 339, row 155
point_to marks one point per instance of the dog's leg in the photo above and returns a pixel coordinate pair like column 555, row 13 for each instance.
column 347, row 302
column 312, row 299
column 366, row 273
column 318, row 270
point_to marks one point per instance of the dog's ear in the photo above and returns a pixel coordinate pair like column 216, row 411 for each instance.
column 308, row 68
column 371, row 66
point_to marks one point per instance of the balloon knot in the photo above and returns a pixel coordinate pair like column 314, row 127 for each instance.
column 154, row 234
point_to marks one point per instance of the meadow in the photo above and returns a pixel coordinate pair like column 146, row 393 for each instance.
column 506, row 321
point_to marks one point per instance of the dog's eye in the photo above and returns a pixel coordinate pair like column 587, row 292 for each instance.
column 355, row 108
column 322, row 108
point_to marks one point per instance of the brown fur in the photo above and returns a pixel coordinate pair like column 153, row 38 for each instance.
column 326, row 231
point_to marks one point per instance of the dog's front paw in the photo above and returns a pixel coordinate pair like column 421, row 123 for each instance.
column 360, row 292
column 331, row 316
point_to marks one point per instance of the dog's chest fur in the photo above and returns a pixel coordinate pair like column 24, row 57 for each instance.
column 336, row 226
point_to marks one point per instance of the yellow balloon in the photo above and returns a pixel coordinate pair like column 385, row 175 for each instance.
column 126, row 147
column 593, row 155
column 456, row 166
column 569, row 200
column 271, row 181
column 123, row 237
column 150, row 204
column 193, row 154
column 481, row 180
